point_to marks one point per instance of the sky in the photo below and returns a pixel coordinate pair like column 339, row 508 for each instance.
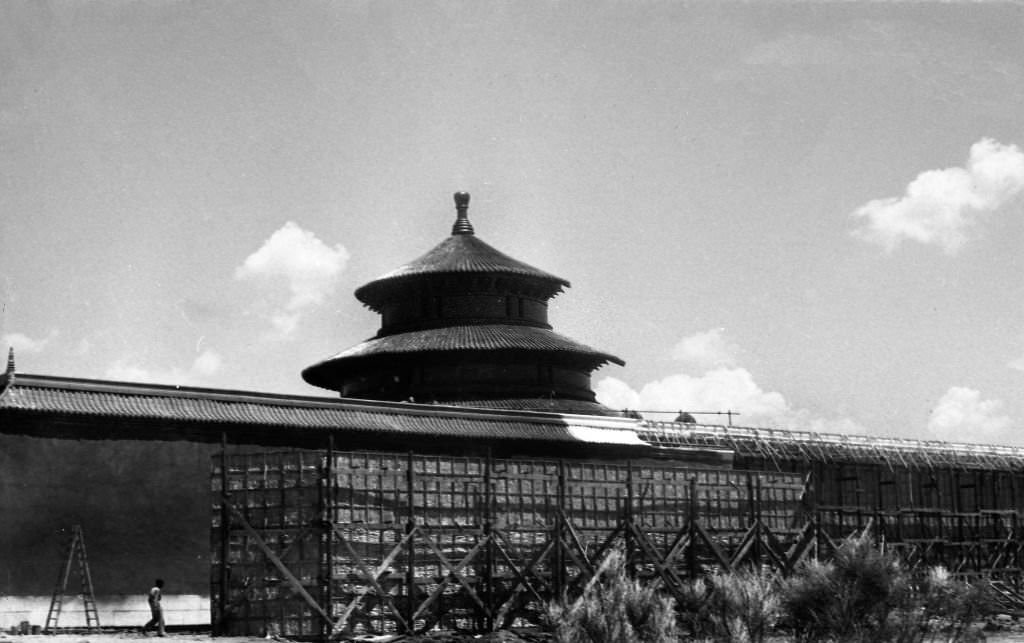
column 810, row 214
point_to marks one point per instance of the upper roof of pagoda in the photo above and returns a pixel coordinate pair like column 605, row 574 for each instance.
column 461, row 253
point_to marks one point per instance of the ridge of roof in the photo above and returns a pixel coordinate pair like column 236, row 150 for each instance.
column 661, row 433
column 618, row 430
column 137, row 389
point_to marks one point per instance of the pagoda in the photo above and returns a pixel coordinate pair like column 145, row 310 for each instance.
column 466, row 325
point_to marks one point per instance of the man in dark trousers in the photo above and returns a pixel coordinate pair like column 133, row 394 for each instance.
column 157, row 621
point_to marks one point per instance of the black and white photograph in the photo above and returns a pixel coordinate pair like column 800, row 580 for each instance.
column 539, row 321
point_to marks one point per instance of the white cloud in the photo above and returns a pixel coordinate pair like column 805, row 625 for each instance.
column 285, row 323
column 805, row 420
column 206, row 364
column 797, row 50
column 1017, row 364
column 616, row 394
column 309, row 267
column 22, row 343
column 705, row 351
column 84, row 346
column 721, row 389
column 940, row 206
column 125, row 372
column 962, row 416
column 717, row 384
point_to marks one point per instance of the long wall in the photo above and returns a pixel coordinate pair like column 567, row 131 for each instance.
column 378, row 542
column 144, row 509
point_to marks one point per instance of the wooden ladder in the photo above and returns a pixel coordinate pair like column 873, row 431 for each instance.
column 76, row 556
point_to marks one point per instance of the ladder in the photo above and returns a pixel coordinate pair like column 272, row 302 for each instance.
column 75, row 557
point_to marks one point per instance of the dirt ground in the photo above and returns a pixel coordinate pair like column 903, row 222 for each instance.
column 180, row 637
column 177, row 637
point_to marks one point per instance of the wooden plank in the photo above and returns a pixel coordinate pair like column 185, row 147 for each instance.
column 504, row 611
column 372, row 579
column 745, row 545
column 272, row 557
column 453, row 570
column 678, row 547
column 665, row 571
column 713, row 546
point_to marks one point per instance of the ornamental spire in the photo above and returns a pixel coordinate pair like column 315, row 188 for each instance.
column 10, row 360
column 462, row 224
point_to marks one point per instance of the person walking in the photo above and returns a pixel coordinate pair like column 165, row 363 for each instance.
column 155, row 594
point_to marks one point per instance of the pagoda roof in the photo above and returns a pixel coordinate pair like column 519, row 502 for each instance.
column 544, row 404
column 88, row 407
column 459, row 254
column 476, row 337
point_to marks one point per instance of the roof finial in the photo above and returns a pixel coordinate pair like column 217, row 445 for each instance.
column 10, row 359
column 462, row 224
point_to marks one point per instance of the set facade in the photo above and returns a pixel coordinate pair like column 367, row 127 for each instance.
column 460, row 475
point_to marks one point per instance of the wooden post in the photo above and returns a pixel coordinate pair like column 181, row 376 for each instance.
column 751, row 511
column 489, row 623
column 410, row 559
column 558, row 573
column 225, row 535
column 691, row 525
column 327, row 540
column 1015, row 525
column 879, row 526
column 758, row 524
column 628, row 519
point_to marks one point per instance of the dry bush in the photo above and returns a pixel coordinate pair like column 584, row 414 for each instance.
column 615, row 608
column 743, row 606
column 864, row 595
column 941, row 608
column 848, row 599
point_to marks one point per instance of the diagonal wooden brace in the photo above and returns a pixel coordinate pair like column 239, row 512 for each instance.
column 276, row 561
column 522, row 577
column 371, row 578
column 453, row 570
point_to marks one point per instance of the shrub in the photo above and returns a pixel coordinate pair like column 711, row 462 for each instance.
column 694, row 608
column 849, row 598
column 949, row 606
column 742, row 606
column 866, row 595
column 862, row 595
column 615, row 608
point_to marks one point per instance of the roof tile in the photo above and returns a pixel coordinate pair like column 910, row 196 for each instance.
column 473, row 337
column 100, row 399
column 456, row 254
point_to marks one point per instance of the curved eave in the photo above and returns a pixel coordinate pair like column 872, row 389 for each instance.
column 456, row 339
column 543, row 404
column 457, row 255
column 88, row 409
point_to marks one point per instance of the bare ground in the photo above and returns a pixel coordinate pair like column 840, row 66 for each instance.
column 177, row 637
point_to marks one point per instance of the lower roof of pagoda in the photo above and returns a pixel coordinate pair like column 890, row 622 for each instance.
column 549, row 405
column 486, row 337
column 456, row 339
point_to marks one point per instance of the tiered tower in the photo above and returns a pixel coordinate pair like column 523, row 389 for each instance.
column 467, row 325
